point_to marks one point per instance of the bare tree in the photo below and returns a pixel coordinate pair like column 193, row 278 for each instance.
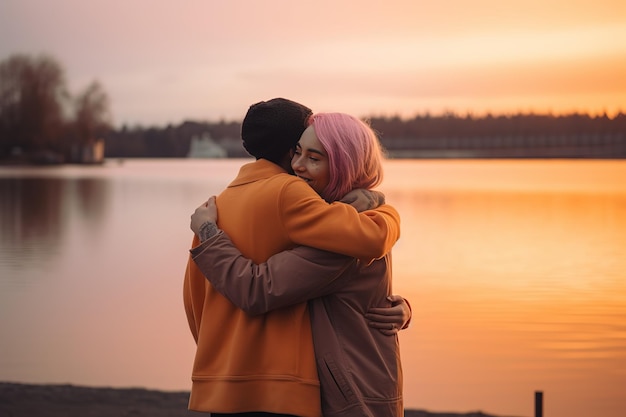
column 92, row 114
column 33, row 97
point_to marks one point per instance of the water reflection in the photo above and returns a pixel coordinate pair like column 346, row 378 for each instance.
column 515, row 270
column 35, row 216
column 92, row 197
column 514, row 292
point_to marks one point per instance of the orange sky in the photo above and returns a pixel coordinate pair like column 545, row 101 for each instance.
column 165, row 61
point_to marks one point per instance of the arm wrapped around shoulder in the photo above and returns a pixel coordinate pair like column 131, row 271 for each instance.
column 289, row 277
column 338, row 227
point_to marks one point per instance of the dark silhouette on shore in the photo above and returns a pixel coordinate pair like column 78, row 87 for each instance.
column 26, row 400
column 42, row 123
column 448, row 136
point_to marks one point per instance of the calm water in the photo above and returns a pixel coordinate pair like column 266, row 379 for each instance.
column 516, row 271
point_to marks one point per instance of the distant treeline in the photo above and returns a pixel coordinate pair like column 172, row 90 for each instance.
column 42, row 122
column 450, row 135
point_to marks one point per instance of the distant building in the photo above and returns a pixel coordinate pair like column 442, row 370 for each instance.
column 87, row 153
column 205, row 147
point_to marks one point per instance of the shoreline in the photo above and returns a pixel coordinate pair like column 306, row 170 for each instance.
column 66, row 400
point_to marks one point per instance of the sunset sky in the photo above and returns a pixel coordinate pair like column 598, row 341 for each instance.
column 168, row 61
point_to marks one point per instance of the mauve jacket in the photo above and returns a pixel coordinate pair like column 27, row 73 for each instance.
column 358, row 366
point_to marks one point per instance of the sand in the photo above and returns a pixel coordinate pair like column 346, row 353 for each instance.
column 31, row 400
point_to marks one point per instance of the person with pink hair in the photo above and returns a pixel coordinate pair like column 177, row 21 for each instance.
column 358, row 363
column 354, row 154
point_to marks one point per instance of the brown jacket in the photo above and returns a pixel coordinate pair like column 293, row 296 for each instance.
column 263, row 363
column 359, row 367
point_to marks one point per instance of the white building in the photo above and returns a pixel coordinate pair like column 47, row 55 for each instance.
column 205, row 147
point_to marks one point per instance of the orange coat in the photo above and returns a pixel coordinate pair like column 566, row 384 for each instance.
column 266, row 363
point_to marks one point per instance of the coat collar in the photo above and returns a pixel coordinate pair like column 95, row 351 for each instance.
column 254, row 171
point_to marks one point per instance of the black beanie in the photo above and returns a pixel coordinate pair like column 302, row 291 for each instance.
column 272, row 128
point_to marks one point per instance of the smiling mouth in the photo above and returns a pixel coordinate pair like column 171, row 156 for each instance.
column 303, row 178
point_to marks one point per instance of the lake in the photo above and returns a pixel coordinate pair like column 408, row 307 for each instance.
column 515, row 269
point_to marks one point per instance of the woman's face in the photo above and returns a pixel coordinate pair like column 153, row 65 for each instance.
column 310, row 161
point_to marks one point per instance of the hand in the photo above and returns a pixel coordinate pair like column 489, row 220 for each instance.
column 362, row 199
column 207, row 212
column 390, row 320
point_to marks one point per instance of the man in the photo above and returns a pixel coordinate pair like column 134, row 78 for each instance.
column 265, row 364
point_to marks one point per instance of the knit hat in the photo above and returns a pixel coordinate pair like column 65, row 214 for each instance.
column 272, row 128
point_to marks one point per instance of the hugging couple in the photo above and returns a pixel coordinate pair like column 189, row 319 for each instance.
column 288, row 287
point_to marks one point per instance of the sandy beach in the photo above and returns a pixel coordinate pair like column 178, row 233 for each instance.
column 31, row 400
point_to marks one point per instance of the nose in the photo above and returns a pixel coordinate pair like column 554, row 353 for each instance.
column 296, row 163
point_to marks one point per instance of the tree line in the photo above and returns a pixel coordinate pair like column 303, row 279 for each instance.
column 395, row 133
column 40, row 121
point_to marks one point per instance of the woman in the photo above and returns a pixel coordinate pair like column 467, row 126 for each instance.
column 358, row 366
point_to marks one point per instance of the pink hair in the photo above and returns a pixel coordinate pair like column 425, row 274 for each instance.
column 354, row 153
